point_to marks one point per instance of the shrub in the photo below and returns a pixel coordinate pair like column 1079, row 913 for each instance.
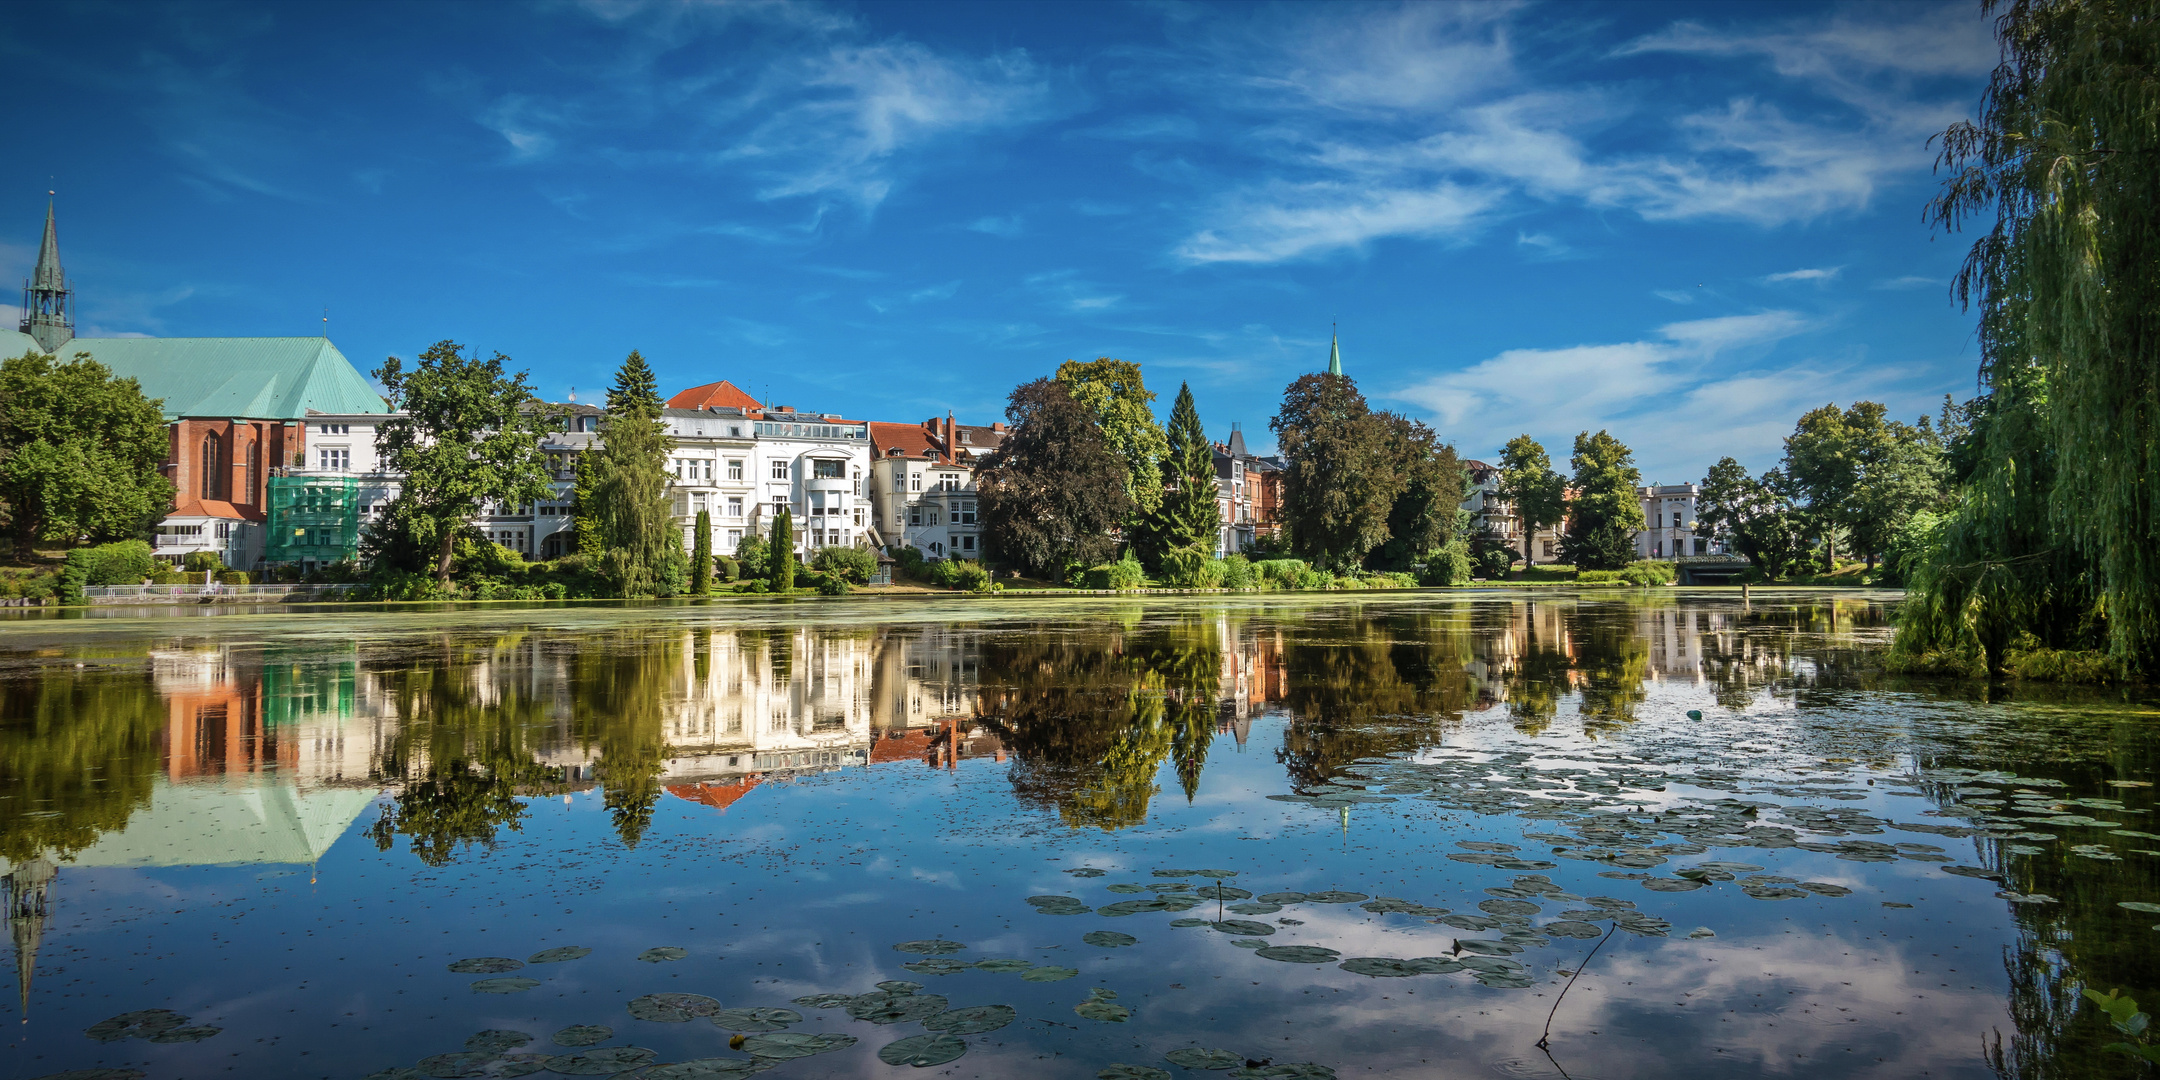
column 1651, row 572
column 2027, row 658
column 853, row 564
column 1309, row 578
column 1237, row 572
column 832, row 584
column 944, row 573
column 1126, row 573
column 1449, row 566
column 909, row 558
column 1210, row 576
column 1387, row 579
column 1183, row 566
column 200, row 561
column 752, row 585
column 1279, row 573
column 753, row 553
column 730, row 570
column 1598, row 577
column 124, row 563
column 238, row 577
column 971, row 576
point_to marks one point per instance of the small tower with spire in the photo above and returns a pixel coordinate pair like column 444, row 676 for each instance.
column 48, row 308
column 1334, row 354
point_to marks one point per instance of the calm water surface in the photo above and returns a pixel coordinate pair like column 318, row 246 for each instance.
column 1318, row 836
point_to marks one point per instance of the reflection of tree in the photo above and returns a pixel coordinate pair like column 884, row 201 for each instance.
column 1186, row 656
column 617, row 693
column 1537, row 677
column 79, row 748
column 1085, row 722
column 1381, row 685
column 464, row 749
column 1614, row 663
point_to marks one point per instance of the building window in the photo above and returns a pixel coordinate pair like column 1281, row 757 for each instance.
column 967, row 543
column 333, row 459
column 224, row 530
column 964, row 512
column 734, row 539
column 734, row 506
column 933, row 515
column 858, row 517
column 734, row 469
column 914, row 515
column 828, row 470
column 708, row 469
column 779, row 470
column 779, row 504
column 336, row 429
column 210, row 486
column 915, row 482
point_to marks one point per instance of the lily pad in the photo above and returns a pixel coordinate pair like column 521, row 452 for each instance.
column 1058, row 905
column 1702, row 932
column 1336, row 897
column 1389, row 905
column 1216, row 874
column 1666, row 884
column 716, row 1068
column 784, row 1045
column 602, row 1061
column 972, row 1020
column 1824, row 888
column 938, row 965
column 1292, row 1071
column 763, row 1019
column 1183, row 923
column 886, row 1007
column 1003, row 965
column 507, row 984
column 899, row 986
column 1253, row 907
column 1380, row 967
column 486, row 965
column 557, row 956
column 1972, row 872
column 1297, row 954
column 497, row 1041
column 193, row 1034
column 455, row 1066
column 1222, row 892
column 923, row 1051
column 1570, row 928
column 1108, row 1012
column 1049, row 973
column 1119, row 1071
column 584, row 1035
column 663, row 953
column 1108, row 939
column 672, row 1008
column 1086, row 871
column 935, row 946
column 1244, row 928
column 1200, row 1057
column 1773, row 892
column 824, row 1001
column 140, row 1024
column 1282, row 897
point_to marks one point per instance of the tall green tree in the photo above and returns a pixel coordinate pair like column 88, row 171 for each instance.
column 701, row 564
column 2056, row 533
column 80, row 452
column 1753, row 516
column 1423, row 517
column 1606, row 512
column 641, row 546
column 1536, row 494
column 467, row 434
column 780, row 553
column 1863, row 474
column 1341, row 483
column 1188, row 518
column 1123, row 406
column 1052, row 492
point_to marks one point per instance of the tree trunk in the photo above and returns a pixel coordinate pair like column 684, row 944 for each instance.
column 442, row 564
column 1829, row 539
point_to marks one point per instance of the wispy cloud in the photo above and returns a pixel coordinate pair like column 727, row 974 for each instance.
column 1910, row 281
column 994, row 225
column 1819, row 274
column 1288, row 221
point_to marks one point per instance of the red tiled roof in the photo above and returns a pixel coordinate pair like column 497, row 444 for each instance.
column 214, row 508
column 716, row 793
column 912, row 744
column 723, row 393
column 910, row 440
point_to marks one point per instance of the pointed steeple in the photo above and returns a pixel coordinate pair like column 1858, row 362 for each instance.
column 48, row 309
column 26, row 891
column 1334, row 355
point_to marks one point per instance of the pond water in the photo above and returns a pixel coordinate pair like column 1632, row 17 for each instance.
column 1252, row 837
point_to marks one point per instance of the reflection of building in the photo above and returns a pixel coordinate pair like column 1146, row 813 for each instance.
column 750, row 705
column 231, row 711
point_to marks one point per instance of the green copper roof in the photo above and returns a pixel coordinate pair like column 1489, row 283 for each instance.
column 1334, row 356
column 269, row 378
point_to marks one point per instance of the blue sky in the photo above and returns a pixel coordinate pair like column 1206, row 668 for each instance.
column 1686, row 223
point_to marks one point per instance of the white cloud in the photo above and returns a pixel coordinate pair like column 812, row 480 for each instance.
column 1709, row 337
column 1288, row 221
column 1677, row 296
column 995, row 225
column 1910, row 281
column 1821, row 273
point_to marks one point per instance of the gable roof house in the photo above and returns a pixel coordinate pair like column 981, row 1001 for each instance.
column 235, row 409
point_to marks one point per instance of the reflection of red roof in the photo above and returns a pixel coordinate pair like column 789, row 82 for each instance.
column 214, row 508
column 899, row 440
column 718, row 794
column 912, row 744
column 723, row 393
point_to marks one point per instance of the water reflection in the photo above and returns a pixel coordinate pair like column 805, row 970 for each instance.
column 442, row 742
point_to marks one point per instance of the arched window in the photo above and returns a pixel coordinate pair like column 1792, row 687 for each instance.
column 254, row 472
column 210, row 486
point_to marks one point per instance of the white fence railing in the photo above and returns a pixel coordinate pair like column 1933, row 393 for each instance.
column 199, row 594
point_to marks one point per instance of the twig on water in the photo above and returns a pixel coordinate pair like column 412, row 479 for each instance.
column 1544, row 1041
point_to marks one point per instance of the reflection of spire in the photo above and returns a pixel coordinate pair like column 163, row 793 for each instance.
column 27, row 890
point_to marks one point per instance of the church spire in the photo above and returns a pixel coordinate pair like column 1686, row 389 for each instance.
column 1334, row 355
column 48, row 309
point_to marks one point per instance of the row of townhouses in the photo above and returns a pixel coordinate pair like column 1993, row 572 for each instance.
column 272, row 458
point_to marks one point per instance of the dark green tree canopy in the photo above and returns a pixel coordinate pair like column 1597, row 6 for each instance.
column 1123, row 406
column 80, row 452
column 469, row 434
column 1341, row 483
column 1535, row 494
column 1422, row 518
column 1862, row 474
column 1188, row 519
column 1606, row 511
column 1054, row 490
column 1754, row 516
column 626, row 473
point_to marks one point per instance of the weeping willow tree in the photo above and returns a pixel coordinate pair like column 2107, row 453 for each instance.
column 2055, row 549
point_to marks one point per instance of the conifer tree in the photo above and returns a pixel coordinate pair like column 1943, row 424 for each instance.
column 1188, row 519
column 701, row 563
column 638, row 537
column 781, row 553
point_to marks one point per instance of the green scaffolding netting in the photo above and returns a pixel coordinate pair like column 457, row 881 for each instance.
column 313, row 518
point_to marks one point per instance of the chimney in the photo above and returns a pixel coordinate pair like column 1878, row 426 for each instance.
column 997, row 427
column 948, row 432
